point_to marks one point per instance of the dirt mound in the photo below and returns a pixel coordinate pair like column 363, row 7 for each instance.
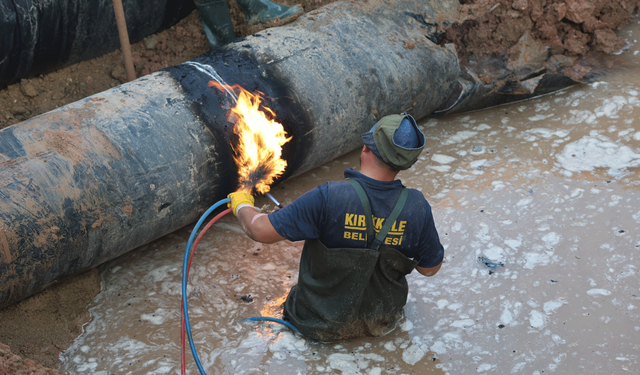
column 41, row 327
column 16, row 365
column 564, row 36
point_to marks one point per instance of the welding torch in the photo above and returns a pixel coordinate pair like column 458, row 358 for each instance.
column 268, row 195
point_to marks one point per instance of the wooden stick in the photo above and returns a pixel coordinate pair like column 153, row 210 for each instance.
column 124, row 39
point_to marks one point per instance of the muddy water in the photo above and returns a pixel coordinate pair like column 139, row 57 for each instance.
column 537, row 204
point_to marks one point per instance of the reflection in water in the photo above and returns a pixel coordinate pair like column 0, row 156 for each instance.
column 547, row 188
column 273, row 307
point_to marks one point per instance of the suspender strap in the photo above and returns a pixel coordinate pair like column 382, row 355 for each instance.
column 375, row 244
column 388, row 223
column 367, row 209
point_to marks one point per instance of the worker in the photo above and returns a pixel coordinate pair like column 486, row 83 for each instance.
column 217, row 24
column 362, row 236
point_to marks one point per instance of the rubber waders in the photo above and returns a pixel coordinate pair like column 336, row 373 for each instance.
column 264, row 12
column 216, row 21
column 217, row 24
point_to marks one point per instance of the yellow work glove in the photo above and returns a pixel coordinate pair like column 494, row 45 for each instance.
column 239, row 199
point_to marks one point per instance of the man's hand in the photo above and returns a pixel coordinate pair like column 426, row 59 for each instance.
column 240, row 199
column 255, row 224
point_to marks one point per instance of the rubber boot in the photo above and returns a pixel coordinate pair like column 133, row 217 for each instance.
column 265, row 12
column 216, row 21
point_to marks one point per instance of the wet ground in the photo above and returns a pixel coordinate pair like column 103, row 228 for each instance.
column 537, row 205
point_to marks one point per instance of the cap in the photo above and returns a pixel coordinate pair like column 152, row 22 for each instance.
column 396, row 139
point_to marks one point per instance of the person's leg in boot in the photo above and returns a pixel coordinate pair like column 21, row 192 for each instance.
column 216, row 21
column 265, row 12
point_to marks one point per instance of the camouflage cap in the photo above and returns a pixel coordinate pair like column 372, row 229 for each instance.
column 396, row 139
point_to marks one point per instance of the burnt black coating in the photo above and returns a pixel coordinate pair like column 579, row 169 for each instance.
column 238, row 67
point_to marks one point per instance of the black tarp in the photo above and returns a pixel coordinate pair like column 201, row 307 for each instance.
column 39, row 36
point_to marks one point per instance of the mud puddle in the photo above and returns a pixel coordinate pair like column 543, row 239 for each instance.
column 544, row 191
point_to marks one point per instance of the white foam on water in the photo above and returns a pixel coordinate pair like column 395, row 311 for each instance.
column 477, row 164
column 582, row 117
column 455, row 306
column 442, row 303
column 547, row 133
column 441, row 168
column 540, row 117
column 406, row 325
column 448, row 341
column 485, row 367
column 552, row 306
column 158, row 317
column 443, row 159
column 495, row 253
column 611, row 107
column 537, row 319
column 161, row 273
column 551, row 239
column 356, row 363
column 506, row 318
column 598, row 292
column 414, row 353
column 591, row 152
column 533, row 260
column 513, row 243
column 459, row 137
column 498, row 185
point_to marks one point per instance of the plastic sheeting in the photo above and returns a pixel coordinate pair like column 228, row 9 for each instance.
column 38, row 36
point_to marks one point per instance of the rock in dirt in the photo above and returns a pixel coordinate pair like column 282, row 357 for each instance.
column 16, row 365
column 527, row 53
column 559, row 62
column 151, row 43
column 119, row 73
column 607, row 41
column 28, row 89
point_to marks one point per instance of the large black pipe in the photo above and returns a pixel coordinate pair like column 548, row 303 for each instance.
column 92, row 180
column 40, row 36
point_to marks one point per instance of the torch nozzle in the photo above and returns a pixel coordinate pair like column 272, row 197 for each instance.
column 273, row 199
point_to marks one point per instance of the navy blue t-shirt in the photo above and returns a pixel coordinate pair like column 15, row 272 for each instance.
column 333, row 213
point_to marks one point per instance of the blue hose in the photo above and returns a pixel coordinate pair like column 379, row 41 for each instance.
column 185, row 307
column 270, row 319
column 187, row 325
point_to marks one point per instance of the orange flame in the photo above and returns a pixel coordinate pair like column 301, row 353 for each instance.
column 259, row 149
